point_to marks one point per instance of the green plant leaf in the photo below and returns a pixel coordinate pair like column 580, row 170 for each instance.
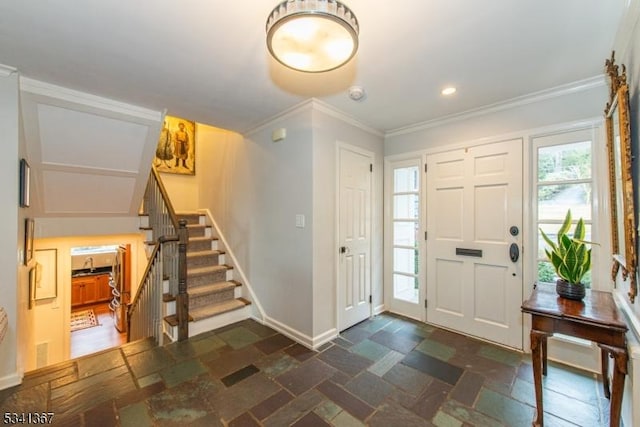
column 548, row 240
column 578, row 233
column 565, row 225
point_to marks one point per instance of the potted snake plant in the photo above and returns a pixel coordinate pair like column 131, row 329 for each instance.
column 570, row 257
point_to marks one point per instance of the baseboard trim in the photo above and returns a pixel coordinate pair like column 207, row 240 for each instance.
column 379, row 309
column 312, row 343
column 11, row 380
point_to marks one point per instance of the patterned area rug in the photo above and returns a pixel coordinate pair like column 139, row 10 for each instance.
column 83, row 319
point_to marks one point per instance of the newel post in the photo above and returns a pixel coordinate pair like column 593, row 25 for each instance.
column 182, row 300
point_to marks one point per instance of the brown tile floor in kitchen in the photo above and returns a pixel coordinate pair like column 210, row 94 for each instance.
column 386, row 371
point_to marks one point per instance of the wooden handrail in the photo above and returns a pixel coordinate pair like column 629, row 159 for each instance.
column 165, row 196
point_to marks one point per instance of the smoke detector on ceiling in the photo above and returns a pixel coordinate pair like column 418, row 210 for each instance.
column 356, row 93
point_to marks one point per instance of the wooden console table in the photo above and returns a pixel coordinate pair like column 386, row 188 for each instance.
column 596, row 318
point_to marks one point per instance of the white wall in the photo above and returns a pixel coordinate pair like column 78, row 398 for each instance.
column 14, row 282
column 565, row 106
column 328, row 131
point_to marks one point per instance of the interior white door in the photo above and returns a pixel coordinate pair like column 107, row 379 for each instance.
column 354, row 234
column 474, row 217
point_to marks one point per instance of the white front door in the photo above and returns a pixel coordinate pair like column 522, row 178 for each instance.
column 354, row 235
column 474, row 216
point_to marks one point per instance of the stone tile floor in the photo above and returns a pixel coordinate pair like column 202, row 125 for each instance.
column 387, row 371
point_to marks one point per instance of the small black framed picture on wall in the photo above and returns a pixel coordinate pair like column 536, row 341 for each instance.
column 25, row 183
column 29, row 228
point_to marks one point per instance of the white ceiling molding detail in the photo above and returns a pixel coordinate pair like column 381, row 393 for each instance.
column 313, row 103
column 6, row 70
column 89, row 156
column 542, row 95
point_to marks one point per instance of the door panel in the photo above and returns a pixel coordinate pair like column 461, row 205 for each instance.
column 473, row 197
column 354, row 211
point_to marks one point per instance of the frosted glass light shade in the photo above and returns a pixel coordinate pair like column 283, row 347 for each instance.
column 312, row 35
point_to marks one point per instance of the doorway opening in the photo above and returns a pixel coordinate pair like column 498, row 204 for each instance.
column 100, row 292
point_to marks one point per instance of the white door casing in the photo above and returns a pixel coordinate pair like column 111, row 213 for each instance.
column 354, row 235
column 474, row 197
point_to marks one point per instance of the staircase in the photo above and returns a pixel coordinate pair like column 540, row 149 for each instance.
column 215, row 298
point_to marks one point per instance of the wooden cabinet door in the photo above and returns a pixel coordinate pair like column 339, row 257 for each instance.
column 77, row 294
column 91, row 291
column 103, row 288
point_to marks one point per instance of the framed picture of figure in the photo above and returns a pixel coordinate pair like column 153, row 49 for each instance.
column 176, row 149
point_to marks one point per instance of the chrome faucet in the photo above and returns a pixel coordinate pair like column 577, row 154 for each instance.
column 88, row 260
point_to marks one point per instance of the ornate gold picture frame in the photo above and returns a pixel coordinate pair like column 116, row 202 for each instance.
column 618, row 127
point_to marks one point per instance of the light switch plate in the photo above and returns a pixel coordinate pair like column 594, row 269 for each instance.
column 300, row 220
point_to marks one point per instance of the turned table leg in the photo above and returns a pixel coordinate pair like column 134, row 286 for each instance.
column 617, row 384
column 538, row 344
column 604, row 356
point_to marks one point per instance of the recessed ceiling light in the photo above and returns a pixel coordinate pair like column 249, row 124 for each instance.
column 448, row 90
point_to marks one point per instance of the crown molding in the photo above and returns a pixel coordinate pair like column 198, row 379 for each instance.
column 310, row 105
column 554, row 92
column 48, row 90
column 624, row 36
column 6, row 70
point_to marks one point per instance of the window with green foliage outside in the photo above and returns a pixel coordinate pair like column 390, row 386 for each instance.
column 564, row 180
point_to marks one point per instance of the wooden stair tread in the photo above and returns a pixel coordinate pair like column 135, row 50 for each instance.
column 211, row 288
column 172, row 320
column 199, row 271
column 218, row 308
column 201, row 238
column 204, row 253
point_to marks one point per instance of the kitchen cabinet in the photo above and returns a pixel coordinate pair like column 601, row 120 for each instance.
column 90, row 289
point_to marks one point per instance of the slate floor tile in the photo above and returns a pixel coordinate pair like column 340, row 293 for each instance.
column 392, row 414
column 399, row 343
column 467, row 389
column 268, row 406
column 346, row 400
column 135, row 415
column 239, row 375
column 384, row 364
column 432, row 397
column 508, row 411
column 244, row 420
column 273, row 343
column 276, row 364
column 366, row 374
column 370, row 349
column 311, row 420
column 149, row 361
column 295, row 409
column 307, row 375
column 239, row 337
column 433, row 367
column 233, row 360
column 300, row 352
column 370, row 388
column 91, row 365
column 500, row 355
column 407, row 379
column 183, row 371
column 347, row 362
column 470, row 416
column 241, row 397
column 436, row 349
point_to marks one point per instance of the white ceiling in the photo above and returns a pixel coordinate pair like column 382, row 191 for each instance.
column 97, row 75
column 207, row 60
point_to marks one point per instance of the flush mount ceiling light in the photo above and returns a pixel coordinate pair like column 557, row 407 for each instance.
column 448, row 91
column 312, row 35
